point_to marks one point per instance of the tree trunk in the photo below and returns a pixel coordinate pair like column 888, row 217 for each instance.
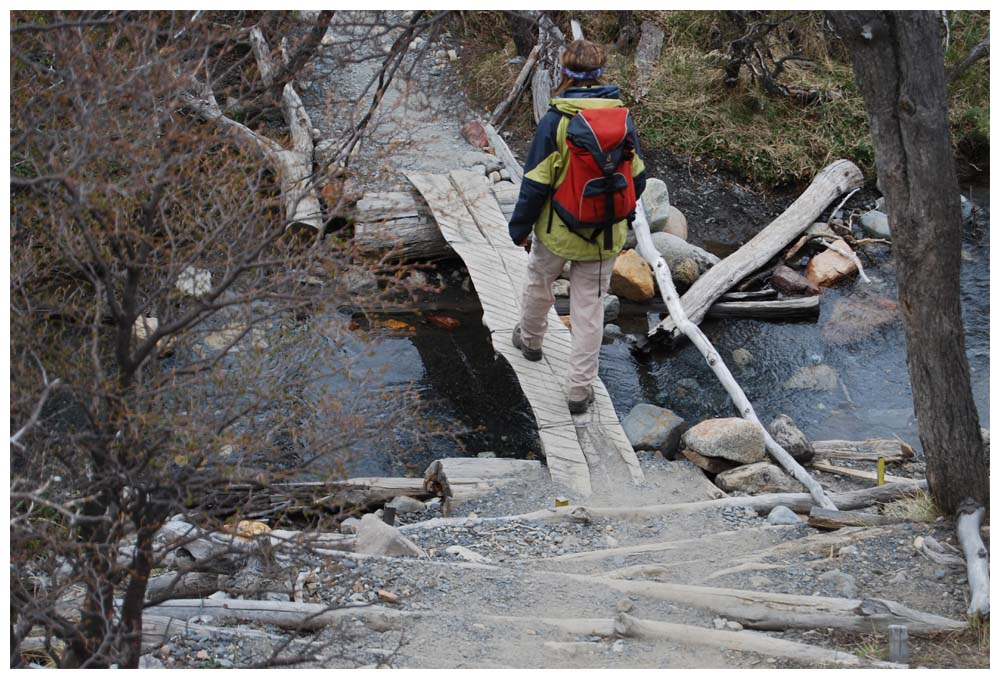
column 899, row 66
column 522, row 29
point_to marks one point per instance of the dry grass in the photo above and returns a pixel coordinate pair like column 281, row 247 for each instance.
column 917, row 507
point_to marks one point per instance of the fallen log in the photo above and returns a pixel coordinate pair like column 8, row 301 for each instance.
column 892, row 450
column 178, row 585
column 286, row 614
column 762, row 504
column 825, row 466
column 753, row 642
column 159, row 629
column 712, row 357
column 793, row 307
column 977, row 559
column 400, row 222
column 834, row 180
column 825, row 518
column 777, row 611
column 519, row 83
column 546, row 74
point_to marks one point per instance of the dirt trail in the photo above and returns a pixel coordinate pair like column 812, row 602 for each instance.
column 457, row 614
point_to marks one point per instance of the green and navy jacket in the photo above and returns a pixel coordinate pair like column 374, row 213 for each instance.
column 545, row 169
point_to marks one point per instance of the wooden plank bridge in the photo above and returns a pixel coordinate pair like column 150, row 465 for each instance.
column 583, row 452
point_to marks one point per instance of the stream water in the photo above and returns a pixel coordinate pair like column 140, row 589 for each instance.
column 473, row 398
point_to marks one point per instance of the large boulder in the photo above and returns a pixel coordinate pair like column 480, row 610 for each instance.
column 677, row 223
column 791, row 282
column 656, row 200
column 673, row 249
column 731, row 438
column 650, row 427
column 830, row 267
column 790, row 437
column 760, row 477
column 632, row 278
column 380, row 539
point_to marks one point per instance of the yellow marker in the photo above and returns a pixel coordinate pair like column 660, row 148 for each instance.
column 562, row 502
column 881, row 471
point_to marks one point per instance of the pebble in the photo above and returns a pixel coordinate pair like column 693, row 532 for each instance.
column 849, row 550
column 782, row 516
column 624, row 606
column 618, row 646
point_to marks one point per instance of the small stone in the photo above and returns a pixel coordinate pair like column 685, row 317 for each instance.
column 848, row 551
column 940, row 574
column 612, row 332
column 495, row 177
column 505, row 174
column 612, row 307
column 386, row 595
column 201, row 655
column 876, row 223
column 618, row 646
column 843, row 582
column 452, row 55
column 486, row 454
column 742, row 358
column 224, row 663
column 783, row 516
column 625, row 605
column 561, row 288
column 719, row 623
column 734, row 626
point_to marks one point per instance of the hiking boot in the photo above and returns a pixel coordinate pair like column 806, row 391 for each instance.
column 578, row 407
column 526, row 351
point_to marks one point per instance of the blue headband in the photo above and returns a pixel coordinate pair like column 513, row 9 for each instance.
column 583, row 75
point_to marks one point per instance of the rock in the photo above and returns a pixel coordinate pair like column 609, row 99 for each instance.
column 505, row 174
column 201, row 655
column 712, row 465
column 757, row 478
column 467, row 554
column 624, row 606
column 855, row 319
column 486, row 454
column 386, row 595
column 791, row 282
column 404, row 504
column 381, row 539
column 674, row 249
column 612, row 307
column 560, row 288
column 618, row 646
column 848, row 551
column 684, row 272
column 731, row 438
column 791, row 438
column 474, row 132
column 742, row 358
column 224, row 663
column 876, row 223
column 150, row 662
column 349, row 526
column 489, row 162
column 632, row 279
column 612, row 332
column 844, row 583
column 734, row 626
column 452, row 55
column 783, row 516
column 830, row 267
column 649, row 427
column 719, row 623
column 194, row 282
column 495, row 176
column 677, row 223
column 814, row 378
column 966, row 208
column 656, row 200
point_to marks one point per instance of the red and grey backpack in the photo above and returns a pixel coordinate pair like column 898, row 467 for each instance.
column 598, row 189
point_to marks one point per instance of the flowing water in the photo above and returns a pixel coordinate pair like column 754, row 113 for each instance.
column 473, row 395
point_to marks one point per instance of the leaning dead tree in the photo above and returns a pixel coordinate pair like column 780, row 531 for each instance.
column 294, row 165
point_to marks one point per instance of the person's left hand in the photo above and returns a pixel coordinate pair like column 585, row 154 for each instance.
column 526, row 244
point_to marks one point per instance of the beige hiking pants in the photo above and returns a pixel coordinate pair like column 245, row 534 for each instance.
column 588, row 284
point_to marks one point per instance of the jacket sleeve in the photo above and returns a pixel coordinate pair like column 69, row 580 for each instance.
column 539, row 170
column 638, row 165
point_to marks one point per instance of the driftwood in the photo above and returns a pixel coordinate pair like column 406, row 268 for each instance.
column 753, row 642
column 286, row 614
column 519, row 83
column 892, row 450
column 825, row 518
column 463, row 478
column 762, row 504
column 646, row 55
column 793, row 307
column 400, row 222
column 177, row 585
column 294, row 166
column 977, row 559
column 698, row 338
column 825, row 466
column 777, row 611
column 832, row 181
column 546, row 76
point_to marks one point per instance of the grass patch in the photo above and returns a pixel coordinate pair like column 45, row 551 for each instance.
column 917, row 507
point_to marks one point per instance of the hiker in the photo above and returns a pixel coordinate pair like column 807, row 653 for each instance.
column 582, row 177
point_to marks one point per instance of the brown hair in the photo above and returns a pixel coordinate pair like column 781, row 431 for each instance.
column 581, row 55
